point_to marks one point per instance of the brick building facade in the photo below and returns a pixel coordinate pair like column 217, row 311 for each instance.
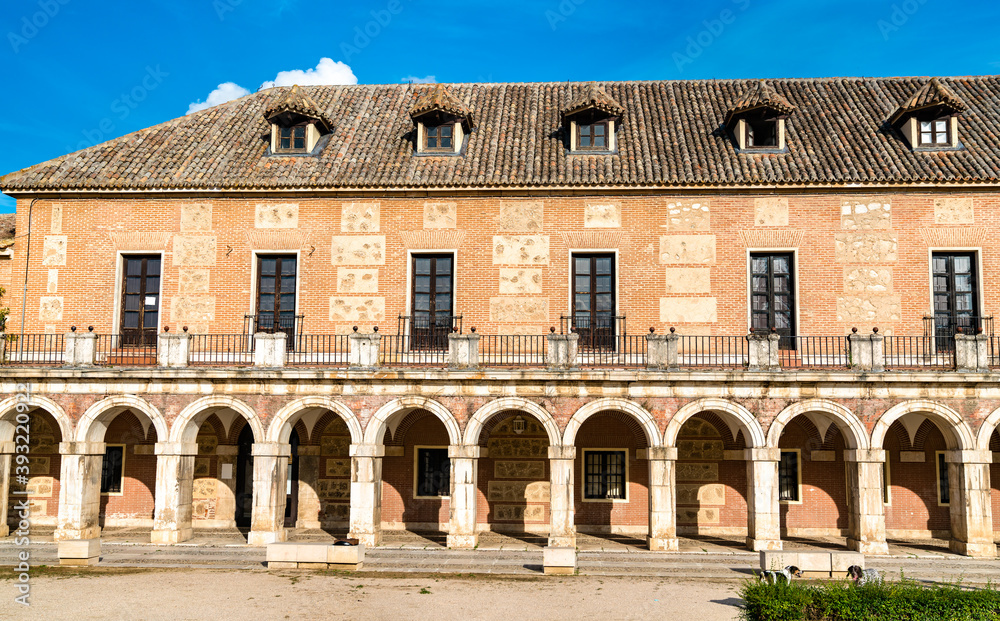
column 563, row 278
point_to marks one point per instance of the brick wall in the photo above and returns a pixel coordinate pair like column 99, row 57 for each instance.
column 399, row 506
column 136, row 501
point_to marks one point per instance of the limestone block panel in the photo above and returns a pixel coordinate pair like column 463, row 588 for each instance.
column 687, row 249
column 867, row 280
column 40, row 486
column 519, row 513
column 202, row 466
column 688, row 310
column 951, row 211
column 192, row 280
column 823, row 456
column 339, row 468
column 518, row 491
column 697, row 472
column 519, row 309
column 602, row 216
column 866, row 247
column 343, row 308
column 501, row 448
column 688, row 216
column 55, row 222
column 335, row 446
column 701, row 494
column 192, row 309
column 336, row 511
column 519, row 469
column 858, row 216
column 872, row 308
column 277, row 216
column 688, row 280
column 360, row 217
column 700, row 449
column 520, row 250
column 358, row 250
column 54, row 250
column 440, row 215
column 690, row 515
column 205, row 488
column 770, row 211
column 194, row 251
column 912, row 457
column 38, row 465
column 515, row 281
column 52, row 284
column 207, row 443
column 334, row 489
column 196, row 217
column 357, row 280
column 50, row 308
column 521, row 216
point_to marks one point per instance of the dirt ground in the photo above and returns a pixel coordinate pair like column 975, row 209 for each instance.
column 134, row 594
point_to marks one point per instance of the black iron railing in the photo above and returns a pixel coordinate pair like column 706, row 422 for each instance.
column 715, row 352
column 428, row 332
column 919, row 352
column 627, row 350
column 125, row 350
column 291, row 325
column 399, row 350
column 32, row 349
column 944, row 326
column 817, row 352
column 221, row 350
column 513, row 350
column 320, row 350
column 597, row 331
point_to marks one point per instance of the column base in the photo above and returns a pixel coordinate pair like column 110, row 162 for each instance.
column 4, row 530
column 171, row 536
column 66, row 534
column 264, row 537
column 466, row 542
column 975, row 550
column 309, row 524
column 370, row 540
column 869, row 548
column 763, row 544
column 562, row 541
column 662, row 544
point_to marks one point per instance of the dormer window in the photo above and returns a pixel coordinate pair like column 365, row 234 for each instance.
column 761, row 133
column 292, row 139
column 928, row 120
column 757, row 119
column 297, row 124
column 440, row 138
column 935, row 132
column 592, row 137
column 442, row 121
column 591, row 120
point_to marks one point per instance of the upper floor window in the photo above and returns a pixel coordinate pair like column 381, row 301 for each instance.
column 761, row 133
column 757, row 119
column 442, row 120
column 297, row 123
column 935, row 132
column 439, row 138
column 928, row 120
column 292, row 139
column 591, row 119
column 593, row 137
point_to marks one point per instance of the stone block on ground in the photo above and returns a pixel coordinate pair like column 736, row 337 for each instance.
column 559, row 561
column 79, row 551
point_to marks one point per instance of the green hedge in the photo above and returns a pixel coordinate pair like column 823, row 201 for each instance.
column 842, row 601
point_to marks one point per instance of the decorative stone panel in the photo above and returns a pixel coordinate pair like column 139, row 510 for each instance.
column 440, row 215
column 277, row 216
column 521, row 216
column 515, row 281
column 687, row 249
column 520, row 249
column 688, row 216
column 360, row 217
column 602, row 216
column 358, row 250
column 770, row 211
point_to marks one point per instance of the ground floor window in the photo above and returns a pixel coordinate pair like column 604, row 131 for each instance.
column 113, row 469
column 789, row 477
column 944, row 491
column 433, row 472
column 886, row 498
column 605, row 474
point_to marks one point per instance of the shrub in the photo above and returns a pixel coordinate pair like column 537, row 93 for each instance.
column 842, row 601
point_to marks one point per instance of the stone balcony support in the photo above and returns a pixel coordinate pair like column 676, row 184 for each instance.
column 366, row 493
column 763, row 509
column 463, row 351
column 562, row 349
column 662, row 498
column 762, row 352
column 269, row 349
column 173, row 350
column 867, row 351
column 80, row 490
column 866, row 505
column 363, row 351
column 661, row 351
column 81, row 349
column 972, row 353
column 464, row 475
column 174, row 491
column 562, row 531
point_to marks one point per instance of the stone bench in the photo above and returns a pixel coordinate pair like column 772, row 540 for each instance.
column 79, row 552
column 314, row 556
column 559, row 561
column 812, row 564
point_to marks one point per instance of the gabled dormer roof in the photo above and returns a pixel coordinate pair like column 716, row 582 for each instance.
column 933, row 94
column 439, row 99
column 760, row 95
column 296, row 103
column 592, row 97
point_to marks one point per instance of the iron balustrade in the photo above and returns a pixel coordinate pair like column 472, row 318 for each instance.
column 120, row 350
column 428, row 332
column 596, row 332
column 994, row 360
column 623, row 351
column 513, row 350
column 33, row 349
column 918, row 352
column 290, row 325
column 944, row 326
column 319, row 350
column 398, row 350
column 221, row 350
column 816, row 352
column 716, row 352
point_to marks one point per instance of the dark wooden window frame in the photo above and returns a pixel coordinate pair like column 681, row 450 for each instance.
column 943, row 483
column 591, row 135
column 785, row 343
column 147, row 335
column 435, row 483
column 277, row 311
column 605, row 478
column 591, row 335
column 112, row 485
column 945, row 320
column 292, row 139
column 934, row 132
column 750, row 129
column 437, row 135
column 790, row 477
column 435, row 334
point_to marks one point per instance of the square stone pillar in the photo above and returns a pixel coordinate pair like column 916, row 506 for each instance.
column 308, row 501
column 173, row 350
column 6, row 459
column 865, row 505
column 662, row 498
column 561, row 351
column 80, row 490
column 562, row 462
column 464, row 468
column 81, row 349
column 269, row 349
column 762, row 352
column 972, row 353
column 763, row 510
column 867, row 351
column 661, row 351
column 463, row 351
column 270, row 480
column 363, row 350
column 174, row 490
column 971, row 510
column 366, row 493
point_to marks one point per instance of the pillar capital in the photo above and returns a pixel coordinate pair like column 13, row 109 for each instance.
column 865, row 455
column 82, row 448
column 367, row 450
column 762, row 454
column 562, row 452
column 968, row 457
column 463, row 451
column 7, row 447
column 271, row 449
column 661, row 453
column 175, row 448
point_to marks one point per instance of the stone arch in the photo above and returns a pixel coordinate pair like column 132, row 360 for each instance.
column 185, row 427
column 956, row 431
column 639, row 413
column 375, row 429
column 753, row 433
column 855, row 434
column 98, row 416
column 8, row 409
column 280, row 428
column 474, row 428
column 986, row 430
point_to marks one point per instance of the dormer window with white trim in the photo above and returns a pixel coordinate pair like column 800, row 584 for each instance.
column 439, row 137
column 934, row 132
column 757, row 119
column 591, row 120
column 442, row 121
column 593, row 136
column 297, row 124
column 928, row 120
column 291, row 139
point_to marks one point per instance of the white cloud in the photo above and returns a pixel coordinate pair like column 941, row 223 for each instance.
column 412, row 79
column 227, row 91
column 326, row 72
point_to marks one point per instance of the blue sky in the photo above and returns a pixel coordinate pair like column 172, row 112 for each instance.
column 77, row 75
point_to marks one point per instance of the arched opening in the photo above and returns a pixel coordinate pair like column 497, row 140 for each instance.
column 325, row 487
column 995, row 482
column 41, row 484
column 243, row 492
column 128, row 477
column 917, row 496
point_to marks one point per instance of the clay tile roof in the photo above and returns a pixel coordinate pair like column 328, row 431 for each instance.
column 593, row 96
column 760, row 95
column 439, row 98
column 930, row 95
column 297, row 102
